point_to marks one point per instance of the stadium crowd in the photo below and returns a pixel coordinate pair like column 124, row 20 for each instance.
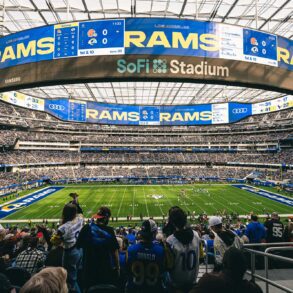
column 58, row 156
column 87, row 255
column 8, row 137
column 120, row 171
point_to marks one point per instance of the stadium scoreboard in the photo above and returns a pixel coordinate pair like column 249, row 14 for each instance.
column 146, row 49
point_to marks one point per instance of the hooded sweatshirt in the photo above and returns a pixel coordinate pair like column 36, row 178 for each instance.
column 184, row 245
column 224, row 240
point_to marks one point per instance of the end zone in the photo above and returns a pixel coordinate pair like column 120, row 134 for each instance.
column 13, row 206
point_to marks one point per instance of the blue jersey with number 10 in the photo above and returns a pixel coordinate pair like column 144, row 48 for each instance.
column 146, row 266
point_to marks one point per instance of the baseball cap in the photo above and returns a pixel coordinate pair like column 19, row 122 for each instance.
column 102, row 213
column 213, row 221
column 275, row 215
column 148, row 227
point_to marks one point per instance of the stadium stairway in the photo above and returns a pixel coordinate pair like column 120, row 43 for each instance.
column 202, row 270
column 281, row 276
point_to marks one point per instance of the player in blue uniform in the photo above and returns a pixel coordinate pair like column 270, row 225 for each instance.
column 145, row 262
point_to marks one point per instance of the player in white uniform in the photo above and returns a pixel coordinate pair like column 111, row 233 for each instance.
column 184, row 244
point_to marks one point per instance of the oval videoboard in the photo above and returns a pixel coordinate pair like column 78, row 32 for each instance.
column 146, row 49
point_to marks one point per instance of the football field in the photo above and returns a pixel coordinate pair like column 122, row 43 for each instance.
column 152, row 201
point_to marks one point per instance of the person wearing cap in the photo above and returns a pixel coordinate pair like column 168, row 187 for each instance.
column 100, row 250
column 145, row 262
column 275, row 229
column 185, row 246
column 224, row 238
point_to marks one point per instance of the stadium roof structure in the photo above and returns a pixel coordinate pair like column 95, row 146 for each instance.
column 273, row 16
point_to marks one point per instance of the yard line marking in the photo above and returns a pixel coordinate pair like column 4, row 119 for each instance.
column 121, row 202
column 133, row 195
column 146, row 203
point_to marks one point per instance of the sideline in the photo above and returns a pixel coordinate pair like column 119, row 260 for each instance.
column 267, row 194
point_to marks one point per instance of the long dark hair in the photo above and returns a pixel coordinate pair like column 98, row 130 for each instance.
column 69, row 213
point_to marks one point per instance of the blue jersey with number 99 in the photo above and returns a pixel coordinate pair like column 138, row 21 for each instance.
column 146, row 266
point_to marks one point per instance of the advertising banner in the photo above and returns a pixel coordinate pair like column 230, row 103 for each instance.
column 25, row 101
column 100, row 113
column 93, row 112
column 206, row 114
column 272, row 105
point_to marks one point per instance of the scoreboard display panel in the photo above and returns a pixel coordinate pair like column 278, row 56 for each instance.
column 146, row 49
column 101, row 37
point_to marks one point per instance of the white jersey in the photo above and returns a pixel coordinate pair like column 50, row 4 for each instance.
column 70, row 231
column 186, row 261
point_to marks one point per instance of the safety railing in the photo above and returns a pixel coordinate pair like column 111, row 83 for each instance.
column 280, row 246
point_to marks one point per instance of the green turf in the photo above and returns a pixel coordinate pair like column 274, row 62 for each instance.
column 136, row 200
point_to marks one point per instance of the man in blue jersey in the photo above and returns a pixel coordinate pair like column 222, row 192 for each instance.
column 255, row 231
column 145, row 262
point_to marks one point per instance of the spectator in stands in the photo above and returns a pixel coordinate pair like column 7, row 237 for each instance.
column 31, row 259
column 255, row 231
column 288, row 233
column 230, row 280
column 131, row 237
column 72, row 222
column 224, row 238
column 169, row 228
column 48, row 280
column 185, row 245
column 275, row 229
column 145, row 262
column 100, row 247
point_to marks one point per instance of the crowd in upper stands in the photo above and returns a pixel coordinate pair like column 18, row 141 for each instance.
column 47, row 156
column 87, row 255
column 262, row 134
column 57, row 173
column 8, row 137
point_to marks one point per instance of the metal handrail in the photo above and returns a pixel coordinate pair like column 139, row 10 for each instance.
column 267, row 244
column 267, row 261
column 267, row 255
column 269, row 282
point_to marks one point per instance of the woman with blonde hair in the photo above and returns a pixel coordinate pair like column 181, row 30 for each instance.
column 48, row 280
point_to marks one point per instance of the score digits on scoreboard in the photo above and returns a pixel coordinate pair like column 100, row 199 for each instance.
column 102, row 37
column 89, row 38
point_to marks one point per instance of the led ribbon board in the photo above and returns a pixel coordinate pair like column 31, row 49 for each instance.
column 146, row 49
column 93, row 112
